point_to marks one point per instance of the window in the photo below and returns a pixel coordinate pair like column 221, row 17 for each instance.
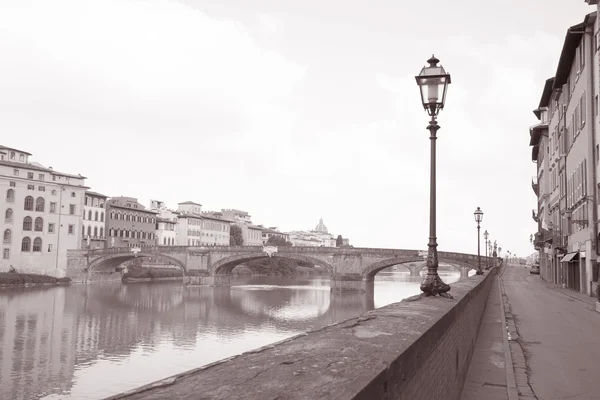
column 72, row 194
column 40, row 204
column 101, row 232
column 111, row 232
column 7, row 238
column 53, row 192
column 12, row 155
column 30, row 187
column 30, row 175
column 28, row 205
column 21, row 157
column 95, row 231
column 102, row 217
column 90, row 215
column 96, row 216
column 72, row 209
column 71, row 229
column 42, row 188
column 39, row 225
column 8, row 215
column 89, row 231
column 37, row 244
column 52, row 207
column 26, row 244
column 50, row 228
column 6, row 254
column 49, row 248
column 10, row 195
column 27, row 222
column 15, row 172
column 12, row 184
column 41, row 177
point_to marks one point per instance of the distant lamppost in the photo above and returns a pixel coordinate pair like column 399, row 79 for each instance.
column 490, row 250
column 433, row 82
column 478, row 218
column 485, row 236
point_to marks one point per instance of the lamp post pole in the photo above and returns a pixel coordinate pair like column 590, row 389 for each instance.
column 478, row 218
column 431, row 80
column 487, row 261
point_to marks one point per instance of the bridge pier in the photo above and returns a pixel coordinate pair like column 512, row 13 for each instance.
column 351, row 283
column 415, row 271
column 209, row 280
column 464, row 273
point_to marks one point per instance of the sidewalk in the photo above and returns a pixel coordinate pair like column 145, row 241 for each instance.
column 487, row 378
column 553, row 340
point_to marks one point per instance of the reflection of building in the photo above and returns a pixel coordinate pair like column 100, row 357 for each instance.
column 319, row 237
column 166, row 223
column 40, row 214
column 94, row 222
column 36, row 344
column 129, row 224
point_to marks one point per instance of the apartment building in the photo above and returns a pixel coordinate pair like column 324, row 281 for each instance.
column 41, row 214
column 129, row 223
column 94, row 221
column 166, row 223
column 198, row 228
column 251, row 234
column 566, row 153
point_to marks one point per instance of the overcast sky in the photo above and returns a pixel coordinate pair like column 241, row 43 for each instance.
column 290, row 110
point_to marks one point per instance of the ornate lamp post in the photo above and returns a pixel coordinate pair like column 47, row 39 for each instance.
column 494, row 254
column 487, row 262
column 490, row 250
column 478, row 218
column 433, row 82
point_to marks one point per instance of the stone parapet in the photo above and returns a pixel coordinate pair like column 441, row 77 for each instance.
column 409, row 350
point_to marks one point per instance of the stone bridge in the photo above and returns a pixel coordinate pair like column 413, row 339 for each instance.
column 349, row 268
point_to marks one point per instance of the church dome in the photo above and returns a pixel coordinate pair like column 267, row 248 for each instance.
column 321, row 227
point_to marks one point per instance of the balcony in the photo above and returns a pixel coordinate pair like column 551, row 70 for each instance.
column 535, row 185
column 542, row 238
column 534, row 216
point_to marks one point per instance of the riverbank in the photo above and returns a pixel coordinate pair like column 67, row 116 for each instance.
column 150, row 280
column 15, row 279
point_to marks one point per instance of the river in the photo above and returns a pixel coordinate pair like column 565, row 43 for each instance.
column 93, row 341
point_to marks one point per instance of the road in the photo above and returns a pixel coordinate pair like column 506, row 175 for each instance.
column 559, row 336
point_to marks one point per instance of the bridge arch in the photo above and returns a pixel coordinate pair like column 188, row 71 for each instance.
column 110, row 261
column 371, row 270
column 226, row 265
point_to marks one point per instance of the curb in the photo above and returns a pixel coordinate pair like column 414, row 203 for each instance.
column 511, row 382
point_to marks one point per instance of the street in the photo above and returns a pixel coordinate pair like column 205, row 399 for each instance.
column 558, row 336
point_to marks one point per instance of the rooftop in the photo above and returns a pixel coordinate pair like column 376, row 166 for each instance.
column 96, row 194
column 13, row 149
column 190, row 202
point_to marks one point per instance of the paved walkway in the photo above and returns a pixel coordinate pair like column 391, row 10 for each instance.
column 486, row 378
column 553, row 337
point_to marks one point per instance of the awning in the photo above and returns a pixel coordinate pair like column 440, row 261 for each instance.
column 570, row 257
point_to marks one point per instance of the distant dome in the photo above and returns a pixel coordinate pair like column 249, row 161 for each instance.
column 321, row 227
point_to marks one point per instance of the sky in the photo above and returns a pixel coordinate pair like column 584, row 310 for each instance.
column 290, row 110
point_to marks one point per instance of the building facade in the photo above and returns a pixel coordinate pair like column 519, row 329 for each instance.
column 318, row 237
column 129, row 223
column 166, row 223
column 41, row 214
column 251, row 234
column 273, row 232
column 94, row 221
column 566, row 152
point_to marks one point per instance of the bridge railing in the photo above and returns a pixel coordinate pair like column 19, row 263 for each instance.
column 293, row 249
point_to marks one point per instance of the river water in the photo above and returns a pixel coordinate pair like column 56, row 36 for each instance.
column 93, row 341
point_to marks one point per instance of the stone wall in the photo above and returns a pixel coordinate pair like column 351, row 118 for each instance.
column 409, row 350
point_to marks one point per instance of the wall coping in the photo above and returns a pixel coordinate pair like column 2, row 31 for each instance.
column 345, row 360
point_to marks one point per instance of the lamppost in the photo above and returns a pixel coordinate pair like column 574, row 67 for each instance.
column 485, row 236
column 432, row 80
column 490, row 249
column 478, row 218
column 499, row 251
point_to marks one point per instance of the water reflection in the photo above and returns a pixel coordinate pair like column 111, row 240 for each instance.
column 88, row 342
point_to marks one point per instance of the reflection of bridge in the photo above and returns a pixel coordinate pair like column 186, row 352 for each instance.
column 349, row 268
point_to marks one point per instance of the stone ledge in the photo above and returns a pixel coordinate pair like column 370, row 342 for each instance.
column 392, row 352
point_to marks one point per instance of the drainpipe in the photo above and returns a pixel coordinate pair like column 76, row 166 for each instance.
column 590, row 112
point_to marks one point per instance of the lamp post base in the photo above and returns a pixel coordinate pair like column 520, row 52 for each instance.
column 433, row 285
column 479, row 272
